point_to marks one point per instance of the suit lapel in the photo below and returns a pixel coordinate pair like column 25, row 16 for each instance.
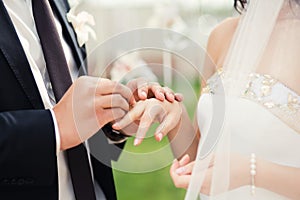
column 61, row 7
column 12, row 50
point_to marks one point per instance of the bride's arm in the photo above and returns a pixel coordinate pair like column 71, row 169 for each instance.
column 280, row 179
column 184, row 138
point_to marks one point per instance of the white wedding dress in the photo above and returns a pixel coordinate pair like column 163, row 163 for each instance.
column 259, row 122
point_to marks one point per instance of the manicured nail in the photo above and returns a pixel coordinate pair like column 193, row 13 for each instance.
column 144, row 94
column 179, row 97
column 171, row 96
column 136, row 142
column 180, row 170
column 116, row 126
column 161, row 95
column 159, row 137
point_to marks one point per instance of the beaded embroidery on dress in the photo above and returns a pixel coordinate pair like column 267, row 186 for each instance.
column 268, row 92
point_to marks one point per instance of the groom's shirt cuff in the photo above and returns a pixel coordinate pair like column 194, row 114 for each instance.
column 57, row 134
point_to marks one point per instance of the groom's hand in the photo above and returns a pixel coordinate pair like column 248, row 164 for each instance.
column 87, row 106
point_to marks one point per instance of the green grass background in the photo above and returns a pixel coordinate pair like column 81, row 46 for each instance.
column 147, row 186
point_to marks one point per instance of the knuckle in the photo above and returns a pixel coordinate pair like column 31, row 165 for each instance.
column 105, row 116
column 83, row 80
column 117, row 98
column 169, row 90
column 145, row 122
column 106, row 83
column 119, row 112
column 133, row 115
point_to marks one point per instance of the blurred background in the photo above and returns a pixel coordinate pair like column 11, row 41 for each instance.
column 143, row 172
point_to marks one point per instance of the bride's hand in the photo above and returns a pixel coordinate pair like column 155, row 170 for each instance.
column 143, row 89
column 180, row 172
column 149, row 111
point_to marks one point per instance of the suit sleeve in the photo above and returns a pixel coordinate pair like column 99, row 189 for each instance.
column 27, row 148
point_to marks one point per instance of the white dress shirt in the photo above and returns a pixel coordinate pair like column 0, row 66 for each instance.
column 20, row 12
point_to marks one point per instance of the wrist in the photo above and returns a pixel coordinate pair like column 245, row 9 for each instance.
column 178, row 127
column 67, row 132
column 263, row 168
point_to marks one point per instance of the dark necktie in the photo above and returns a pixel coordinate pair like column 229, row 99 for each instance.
column 61, row 80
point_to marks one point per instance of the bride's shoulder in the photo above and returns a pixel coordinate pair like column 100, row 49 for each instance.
column 227, row 26
column 220, row 39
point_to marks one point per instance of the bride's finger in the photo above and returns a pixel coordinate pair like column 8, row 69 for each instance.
column 179, row 97
column 185, row 170
column 133, row 115
column 180, row 181
column 148, row 117
column 175, row 165
column 170, row 96
column 168, row 124
column 184, row 160
column 139, row 88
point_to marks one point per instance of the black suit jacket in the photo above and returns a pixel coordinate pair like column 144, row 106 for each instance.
column 28, row 164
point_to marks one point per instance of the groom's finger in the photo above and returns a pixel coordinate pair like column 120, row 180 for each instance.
column 111, row 101
column 106, row 87
column 139, row 88
column 111, row 114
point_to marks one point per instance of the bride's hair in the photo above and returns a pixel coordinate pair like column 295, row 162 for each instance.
column 240, row 5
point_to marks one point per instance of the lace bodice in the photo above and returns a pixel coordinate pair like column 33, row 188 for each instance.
column 268, row 92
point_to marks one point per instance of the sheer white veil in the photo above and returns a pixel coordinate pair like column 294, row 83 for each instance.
column 266, row 41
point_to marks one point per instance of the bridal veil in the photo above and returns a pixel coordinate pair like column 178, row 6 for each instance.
column 265, row 48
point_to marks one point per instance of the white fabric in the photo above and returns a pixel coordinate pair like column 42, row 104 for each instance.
column 255, row 138
column 20, row 12
column 264, row 43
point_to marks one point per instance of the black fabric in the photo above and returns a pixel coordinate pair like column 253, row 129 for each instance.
column 52, row 48
column 15, row 70
column 27, row 136
column 27, row 155
column 60, row 7
column 104, row 177
column 61, row 80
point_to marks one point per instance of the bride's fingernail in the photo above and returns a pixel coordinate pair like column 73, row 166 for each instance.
column 116, row 126
column 180, row 170
column 161, row 95
column 159, row 137
column 136, row 142
column 170, row 95
column 144, row 94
